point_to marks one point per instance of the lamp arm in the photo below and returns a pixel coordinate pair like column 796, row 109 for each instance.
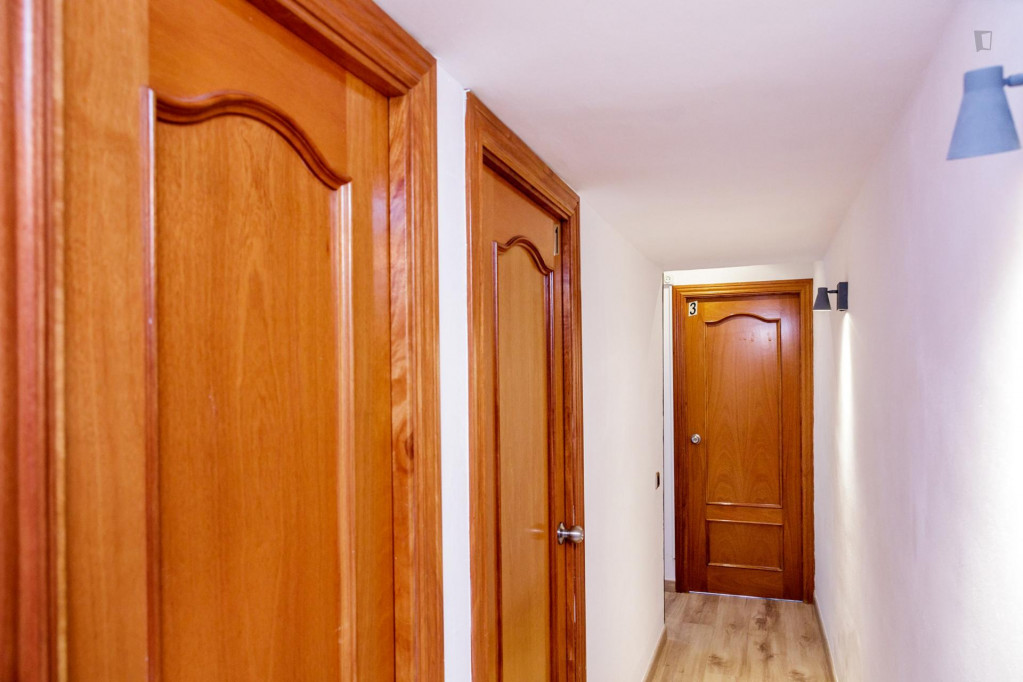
column 1015, row 79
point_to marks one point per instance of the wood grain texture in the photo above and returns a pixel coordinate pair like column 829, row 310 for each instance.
column 277, row 466
column 106, row 66
column 8, row 370
column 251, row 500
column 8, row 358
column 523, row 451
column 110, row 50
column 745, row 545
column 742, row 382
column 8, row 365
column 32, row 608
column 575, row 568
column 207, row 50
column 415, row 384
column 206, row 107
column 186, row 58
column 359, row 36
column 751, row 514
column 755, row 463
column 514, row 202
column 714, row 638
column 743, row 440
column 526, row 466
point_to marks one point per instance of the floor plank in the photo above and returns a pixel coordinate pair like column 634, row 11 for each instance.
column 719, row 638
column 728, row 656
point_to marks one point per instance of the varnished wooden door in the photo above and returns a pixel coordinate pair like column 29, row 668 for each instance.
column 270, row 497
column 528, row 449
column 246, row 268
column 524, row 586
column 740, row 361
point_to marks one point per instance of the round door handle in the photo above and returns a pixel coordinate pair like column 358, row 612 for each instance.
column 573, row 534
column 695, row 440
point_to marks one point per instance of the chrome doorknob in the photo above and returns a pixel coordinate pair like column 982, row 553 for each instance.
column 695, row 440
column 575, row 534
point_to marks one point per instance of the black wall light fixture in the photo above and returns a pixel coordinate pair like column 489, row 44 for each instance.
column 823, row 301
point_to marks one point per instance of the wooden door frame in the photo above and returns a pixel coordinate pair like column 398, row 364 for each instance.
column 32, row 203
column 491, row 144
column 365, row 41
column 804, row 289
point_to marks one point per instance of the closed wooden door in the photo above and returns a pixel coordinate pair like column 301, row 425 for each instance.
column 741, row 439
column 523, row 595
column 271, row 496
column 262, row 546
column 527, row 451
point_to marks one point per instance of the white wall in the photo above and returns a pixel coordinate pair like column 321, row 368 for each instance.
column 750, row 273
column 454, row 376
column 622, row 425
column 622, row 432
column 920, row 395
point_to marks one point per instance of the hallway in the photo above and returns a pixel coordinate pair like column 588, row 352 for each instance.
column 404, row 341
column 715, row 637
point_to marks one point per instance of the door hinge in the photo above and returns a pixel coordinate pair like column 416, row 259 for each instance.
column 557, row 239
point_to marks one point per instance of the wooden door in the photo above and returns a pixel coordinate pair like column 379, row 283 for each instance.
column 741, row 436
column 523, row 593
column 246, row 266
column 271, row 496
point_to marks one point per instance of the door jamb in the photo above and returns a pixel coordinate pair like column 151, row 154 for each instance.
column 804, row 289
column 31, row 203
column 490, row 143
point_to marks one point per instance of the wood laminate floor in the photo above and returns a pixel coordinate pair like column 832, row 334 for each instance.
column 716, row 637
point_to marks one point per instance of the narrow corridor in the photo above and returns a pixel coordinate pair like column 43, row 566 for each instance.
column 717, row 637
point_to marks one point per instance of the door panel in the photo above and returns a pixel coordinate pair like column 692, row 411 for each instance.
column 743, row 478
column 741, row 544
column 203, row 46
column 743, row 440
column 524, row 460
column 268, row 503
column 270, row 248
column 528, row 595
column 239, row 281
column 523, row 452
column 248, row 405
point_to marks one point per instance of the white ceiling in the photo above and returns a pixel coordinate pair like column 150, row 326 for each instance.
column 711, row 132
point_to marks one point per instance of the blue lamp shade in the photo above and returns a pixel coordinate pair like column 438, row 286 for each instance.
column 985, row 124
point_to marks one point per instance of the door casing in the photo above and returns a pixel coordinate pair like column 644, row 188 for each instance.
column 491, row 144
column 804, row 289
column 106, row 46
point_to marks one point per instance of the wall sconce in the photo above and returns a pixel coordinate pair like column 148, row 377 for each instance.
column 985, row 124
column 823, row 301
